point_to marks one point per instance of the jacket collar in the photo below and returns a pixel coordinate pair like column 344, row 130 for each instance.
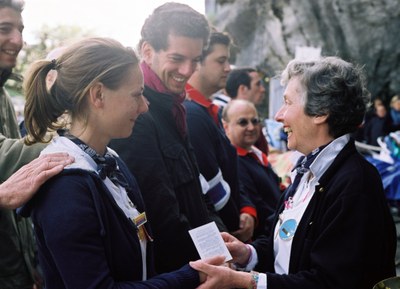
column 197, row 96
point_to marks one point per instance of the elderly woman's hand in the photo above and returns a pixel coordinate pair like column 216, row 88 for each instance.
column 24, row 183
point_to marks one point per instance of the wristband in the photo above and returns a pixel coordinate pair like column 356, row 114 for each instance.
column 254, row 280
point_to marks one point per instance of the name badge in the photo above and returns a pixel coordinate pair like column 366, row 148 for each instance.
column 287, row 229
column 140, row 220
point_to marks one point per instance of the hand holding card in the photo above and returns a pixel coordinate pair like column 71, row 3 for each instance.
column 208, row 242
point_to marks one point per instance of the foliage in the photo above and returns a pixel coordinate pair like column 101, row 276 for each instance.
column 46, row 39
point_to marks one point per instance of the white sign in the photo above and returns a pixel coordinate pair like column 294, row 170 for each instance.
column 308, row 53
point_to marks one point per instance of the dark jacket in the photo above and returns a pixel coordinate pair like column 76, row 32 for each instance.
column 165, row 167
column 86, row 241
column 214, row 152
column 262, row 185
column 374, row 129
column 346, row 238
column 389, row 125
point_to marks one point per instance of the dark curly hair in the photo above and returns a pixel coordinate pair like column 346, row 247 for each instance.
column 216, row 37
column 179, row 19
column 236, row 78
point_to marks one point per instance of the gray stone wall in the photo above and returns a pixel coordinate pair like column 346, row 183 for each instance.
column 267, row 33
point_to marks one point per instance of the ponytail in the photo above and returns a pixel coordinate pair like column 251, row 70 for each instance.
column 78, row 68
column 41, row 108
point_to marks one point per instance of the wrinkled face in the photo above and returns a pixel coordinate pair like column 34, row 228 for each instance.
column 299, row 127
column 123, row 105
column 175, row 65
column 243, row 126
column 215, row 68
column 257, row 90
column 11, row 41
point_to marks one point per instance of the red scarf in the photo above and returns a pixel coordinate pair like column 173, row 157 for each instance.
column 152, row 80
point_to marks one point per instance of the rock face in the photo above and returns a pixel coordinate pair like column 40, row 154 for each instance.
column 267, row 33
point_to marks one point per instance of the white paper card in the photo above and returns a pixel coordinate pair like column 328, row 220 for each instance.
column 208, row 242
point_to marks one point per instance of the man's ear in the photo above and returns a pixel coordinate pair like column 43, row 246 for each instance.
column 225, row 126
column 96, row 96
column 242, row 90
column 147, row 52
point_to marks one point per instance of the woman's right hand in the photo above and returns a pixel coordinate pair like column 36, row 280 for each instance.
column 217, row 260
column 240, row 251
column 220, row 277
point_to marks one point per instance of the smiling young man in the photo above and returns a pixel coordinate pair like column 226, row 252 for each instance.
column 215, row 155
column 17, row 250
column 245, row 83
column 11, row 27
column 16, row 238
column 158, row 152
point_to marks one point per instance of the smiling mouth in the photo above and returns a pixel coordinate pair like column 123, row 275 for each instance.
column 179, row 79
column 10, row 52
column 287, row 130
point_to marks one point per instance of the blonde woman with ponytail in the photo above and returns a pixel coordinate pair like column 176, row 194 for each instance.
column 90, row 220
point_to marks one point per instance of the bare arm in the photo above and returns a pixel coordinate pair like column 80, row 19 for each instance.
column 24, row 183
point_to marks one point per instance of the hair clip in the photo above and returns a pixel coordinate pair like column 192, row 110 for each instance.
column 54, row 65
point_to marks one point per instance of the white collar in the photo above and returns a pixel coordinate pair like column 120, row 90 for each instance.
column 82, row 160
column 328, row 155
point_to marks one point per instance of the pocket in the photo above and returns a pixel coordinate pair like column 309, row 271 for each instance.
column 179, row 165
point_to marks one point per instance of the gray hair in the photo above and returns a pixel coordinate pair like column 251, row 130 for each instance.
column 332, row 87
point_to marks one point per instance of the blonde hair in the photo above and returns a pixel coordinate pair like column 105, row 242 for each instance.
column 394, row 99
column 80, row 66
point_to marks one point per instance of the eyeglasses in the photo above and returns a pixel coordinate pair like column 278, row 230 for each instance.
column 243, row 122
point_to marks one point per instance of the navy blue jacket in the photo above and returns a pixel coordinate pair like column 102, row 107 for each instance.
column 214, row 152
column 86, row 241
column 346, row 238
column 166, row 170
column 262, row 185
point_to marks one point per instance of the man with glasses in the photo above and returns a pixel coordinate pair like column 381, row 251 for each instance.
column 242, row 126
column 215, row 155
column 245, row 83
